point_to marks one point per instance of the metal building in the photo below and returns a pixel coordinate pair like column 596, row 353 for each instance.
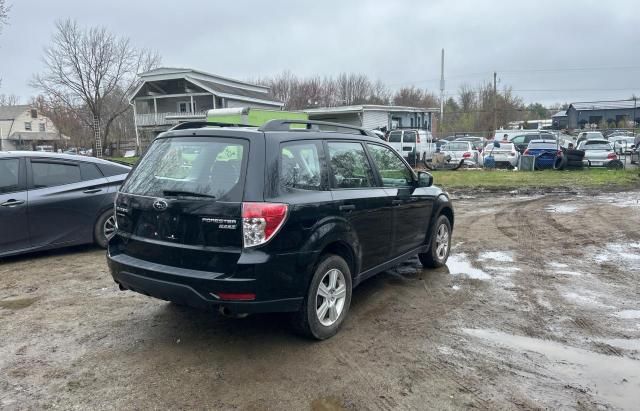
column 621, row 113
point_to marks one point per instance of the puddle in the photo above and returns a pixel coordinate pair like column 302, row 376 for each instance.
column 17, row 303
column 614, row 379
column 508, row 270
column 561, row 208
column 500, row 256
column 627, row 254
column 566, row 272
column 628, row 314
column 626, row 344
column 458, row 264
column 621, row 200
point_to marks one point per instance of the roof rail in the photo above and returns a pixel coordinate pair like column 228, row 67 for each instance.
column 283, row 125
column 201, row 124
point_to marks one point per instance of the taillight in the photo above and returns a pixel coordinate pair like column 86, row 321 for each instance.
column 526, row 152
column 612, row 156
column 466, row 155
column 559, row 153
column 418, row 139
column 512, row 154
column 261, row 221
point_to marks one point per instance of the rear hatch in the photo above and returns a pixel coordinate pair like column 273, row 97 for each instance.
column 395, row 141
column 182, row 204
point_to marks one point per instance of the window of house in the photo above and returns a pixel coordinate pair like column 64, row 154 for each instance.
column 34, row 113
column 185, row 107
column 42, row 128
column 27, row 125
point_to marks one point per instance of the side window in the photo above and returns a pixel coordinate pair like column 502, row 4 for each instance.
column 89, row 171
column 393, row 171
column 300, row 166
column 114, row 169
column 54, row 174
column 350, row 167
column 9, row 175
column 518, row 140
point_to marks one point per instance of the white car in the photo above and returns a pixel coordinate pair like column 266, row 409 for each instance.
column 408, row 141
column 589, row 135
column 462, row 150
column 504, row 156
column 623, row 144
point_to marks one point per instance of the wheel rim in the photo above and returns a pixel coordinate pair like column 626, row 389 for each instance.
column 330, row 297
column 442, row 241
column 109, row 227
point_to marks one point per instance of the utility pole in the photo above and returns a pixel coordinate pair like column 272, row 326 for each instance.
column 442, row 89
column 495, row 102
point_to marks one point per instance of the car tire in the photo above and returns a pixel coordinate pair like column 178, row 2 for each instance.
column 104, row 228
column 314, row 321
column 575, row 164
column 440, row 245
column 560, row 163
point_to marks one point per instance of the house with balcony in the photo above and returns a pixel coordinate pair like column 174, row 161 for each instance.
column 167, row 95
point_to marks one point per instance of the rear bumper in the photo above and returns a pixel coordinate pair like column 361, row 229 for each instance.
column 199, row 289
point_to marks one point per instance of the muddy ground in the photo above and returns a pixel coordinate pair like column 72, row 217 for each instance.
column 539, row 308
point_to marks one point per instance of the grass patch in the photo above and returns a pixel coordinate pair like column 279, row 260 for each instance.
column 502, row 179
column 129, row 160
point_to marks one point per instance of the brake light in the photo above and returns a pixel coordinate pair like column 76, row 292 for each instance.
column 612, row 156
column 261, row 221
column 418, row 138
column 466, row 155
column 526, row 152
column 512, row 154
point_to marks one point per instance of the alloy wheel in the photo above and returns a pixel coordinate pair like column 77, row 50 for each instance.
column 330, row 297
column 442, row 242
column 109, row 227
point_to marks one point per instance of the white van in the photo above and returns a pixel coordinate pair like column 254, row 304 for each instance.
column 407, row 141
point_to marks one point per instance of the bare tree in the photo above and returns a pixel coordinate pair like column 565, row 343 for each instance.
column 9, row 100
column 90, row 71
column 4, row 13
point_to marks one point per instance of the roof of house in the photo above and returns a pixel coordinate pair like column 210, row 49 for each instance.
column 218, row 85
column 561, row 113
column 11, row 112
column 367, row 107
column 604, row 105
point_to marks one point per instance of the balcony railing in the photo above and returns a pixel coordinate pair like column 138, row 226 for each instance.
column 160, row 119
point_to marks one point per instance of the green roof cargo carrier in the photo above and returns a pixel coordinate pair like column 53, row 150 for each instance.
column 251, row 116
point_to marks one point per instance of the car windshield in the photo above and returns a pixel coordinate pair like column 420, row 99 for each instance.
column 457, row 146
column 200, row 167
column 394, row 136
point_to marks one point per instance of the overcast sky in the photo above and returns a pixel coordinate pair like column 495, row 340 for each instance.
column 548, row 51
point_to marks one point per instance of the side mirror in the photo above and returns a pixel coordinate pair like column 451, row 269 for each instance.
column 424, row 179
column 496, row 144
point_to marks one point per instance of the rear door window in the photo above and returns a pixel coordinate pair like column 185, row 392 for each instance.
column 195, row 167
column 395, row 136
column 89, row 171
column 300, row 166
column 409, row 137
column 51, row 174
column 9, row 175
column 350, row 166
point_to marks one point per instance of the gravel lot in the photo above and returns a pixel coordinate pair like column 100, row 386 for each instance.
column 539, row 308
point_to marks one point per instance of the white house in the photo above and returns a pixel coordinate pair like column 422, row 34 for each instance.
column 371, row 116
column 23, row 128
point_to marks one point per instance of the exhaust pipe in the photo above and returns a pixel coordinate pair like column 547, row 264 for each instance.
column 229, row 314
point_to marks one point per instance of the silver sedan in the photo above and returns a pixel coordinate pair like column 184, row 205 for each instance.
column 598, row 153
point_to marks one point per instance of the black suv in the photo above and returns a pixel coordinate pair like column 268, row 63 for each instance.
column 273, row 219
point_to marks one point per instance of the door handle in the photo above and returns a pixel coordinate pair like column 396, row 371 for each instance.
column 12, row 203
column 347, row 207
column 92, row 190
column 396, row 202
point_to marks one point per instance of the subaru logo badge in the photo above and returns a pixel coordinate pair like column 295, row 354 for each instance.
column 160, row 205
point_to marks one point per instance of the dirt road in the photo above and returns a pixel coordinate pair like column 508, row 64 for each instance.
column 539, row 307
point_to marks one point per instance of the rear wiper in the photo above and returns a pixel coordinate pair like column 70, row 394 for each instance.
column 180, row 193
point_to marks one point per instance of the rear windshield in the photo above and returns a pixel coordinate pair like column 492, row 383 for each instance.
column 394, row 136
column 197, row 167
column 543, row 146
column 596, row 145
column 409, row 137
column 503, row 147
column 457, row 146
